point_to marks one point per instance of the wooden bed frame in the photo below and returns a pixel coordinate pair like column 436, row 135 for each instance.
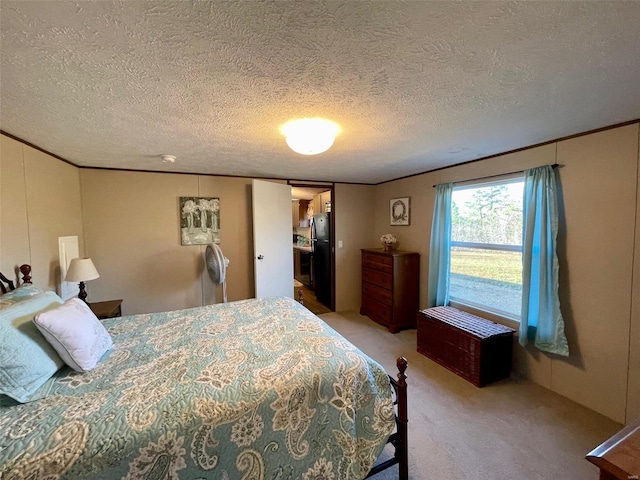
column 26, row 278
column 397, row 439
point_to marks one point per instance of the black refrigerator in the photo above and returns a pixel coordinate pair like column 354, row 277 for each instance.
column 321, row 245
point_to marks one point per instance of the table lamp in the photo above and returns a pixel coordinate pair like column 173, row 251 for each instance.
column 81, row 270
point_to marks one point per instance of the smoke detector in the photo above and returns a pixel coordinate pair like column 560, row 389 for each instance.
column 168, row 158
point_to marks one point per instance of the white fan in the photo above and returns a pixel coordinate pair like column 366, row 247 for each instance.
column 217, row 264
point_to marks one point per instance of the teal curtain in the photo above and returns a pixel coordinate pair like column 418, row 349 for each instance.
column 440, row 248
column 541, row 320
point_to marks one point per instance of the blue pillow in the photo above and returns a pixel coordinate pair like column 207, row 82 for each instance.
column 27, row 360
column 23, row 292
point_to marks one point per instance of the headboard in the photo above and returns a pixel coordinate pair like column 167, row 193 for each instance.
column 7, row 285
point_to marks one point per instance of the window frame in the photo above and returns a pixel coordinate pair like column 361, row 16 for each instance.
column 468, row 304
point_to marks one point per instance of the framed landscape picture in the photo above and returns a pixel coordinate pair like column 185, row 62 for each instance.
column 199, row 220
column 399, row 211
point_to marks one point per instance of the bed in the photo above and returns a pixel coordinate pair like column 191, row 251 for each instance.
column 253, row 389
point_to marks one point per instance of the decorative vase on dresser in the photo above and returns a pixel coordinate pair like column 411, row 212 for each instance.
column 390, row 287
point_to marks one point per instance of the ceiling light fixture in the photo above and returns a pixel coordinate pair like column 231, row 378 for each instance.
column 168, row 158
column 310, row 136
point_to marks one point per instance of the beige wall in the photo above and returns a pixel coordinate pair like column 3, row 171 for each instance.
column 597, row 244
column 132, row 233
column 39, row 202
column 633, row 394
column 599, row 185
column 354, row 211
column 236, row 235
column 14, row 227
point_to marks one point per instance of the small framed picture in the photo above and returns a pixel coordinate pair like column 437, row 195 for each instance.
column 399, row 211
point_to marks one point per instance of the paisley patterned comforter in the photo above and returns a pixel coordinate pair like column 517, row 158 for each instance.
column 255, row 389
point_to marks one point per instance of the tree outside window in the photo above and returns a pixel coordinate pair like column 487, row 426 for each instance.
column 486, row 252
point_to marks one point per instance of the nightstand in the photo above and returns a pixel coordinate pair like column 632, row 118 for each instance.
column 108, row 309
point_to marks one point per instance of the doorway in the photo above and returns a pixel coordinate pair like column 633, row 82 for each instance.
column 313, row 222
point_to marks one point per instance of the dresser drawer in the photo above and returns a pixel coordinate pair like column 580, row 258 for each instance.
column 381, row 279
column 382, row 267
column 382, row 295
column 377, row 262
column 372, row 257
column 375, row 310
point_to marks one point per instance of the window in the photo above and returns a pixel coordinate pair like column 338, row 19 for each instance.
column 486, row 246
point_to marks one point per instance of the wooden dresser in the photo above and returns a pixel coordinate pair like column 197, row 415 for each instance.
column 619, row 457
column 390, row 287
column 108, row 309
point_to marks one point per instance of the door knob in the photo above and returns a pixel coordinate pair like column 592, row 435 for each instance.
column 260, row 257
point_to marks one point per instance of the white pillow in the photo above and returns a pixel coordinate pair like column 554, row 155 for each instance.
column 75, row 333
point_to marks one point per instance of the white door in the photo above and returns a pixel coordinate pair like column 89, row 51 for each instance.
column 68, row 249
column 272, row 239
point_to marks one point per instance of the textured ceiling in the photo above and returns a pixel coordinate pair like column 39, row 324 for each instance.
column 414, row 85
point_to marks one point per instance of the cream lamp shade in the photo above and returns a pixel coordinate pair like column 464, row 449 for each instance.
column 310, row 136
column 81, row 270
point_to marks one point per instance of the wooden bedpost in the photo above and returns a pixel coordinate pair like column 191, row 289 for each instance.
column 399, row 438
column 26, row 273
column 402, row 452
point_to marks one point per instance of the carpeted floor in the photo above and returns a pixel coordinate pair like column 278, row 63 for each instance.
column 513, row 429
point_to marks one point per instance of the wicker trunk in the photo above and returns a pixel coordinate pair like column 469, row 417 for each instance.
column 476, row 349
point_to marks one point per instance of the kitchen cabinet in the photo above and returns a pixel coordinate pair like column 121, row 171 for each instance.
column 299, row 213
column 305, row 268
column 295, row 213
column 302, row 266
column 322, row 202
column 296, row 264
column 390, row 287
column 303, row 221
column 325, row 201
